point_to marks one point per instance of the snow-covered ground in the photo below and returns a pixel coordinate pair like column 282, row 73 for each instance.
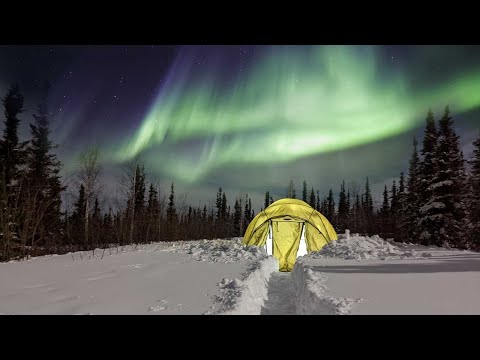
column 361, row 275
column 164, row 278
column 354, row 275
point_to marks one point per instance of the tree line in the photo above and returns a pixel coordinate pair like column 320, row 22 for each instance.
column 438, row 202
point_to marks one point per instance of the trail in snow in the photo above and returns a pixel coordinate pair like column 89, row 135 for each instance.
column 280, row 296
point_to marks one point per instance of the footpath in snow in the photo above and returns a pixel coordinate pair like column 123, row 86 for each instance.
column 354, row 275
column 360, row 275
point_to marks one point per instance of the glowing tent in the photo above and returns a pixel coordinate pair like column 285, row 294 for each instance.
column 289, row 228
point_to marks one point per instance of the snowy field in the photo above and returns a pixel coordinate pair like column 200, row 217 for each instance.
column 354, row 275
column 150, row 279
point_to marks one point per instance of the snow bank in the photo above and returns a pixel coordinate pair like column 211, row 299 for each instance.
column 220, row 250
column 245, row 296
column 355, row 247
column 311, row 293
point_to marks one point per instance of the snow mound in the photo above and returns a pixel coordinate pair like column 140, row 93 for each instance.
column 312, row 295
column 356, row 247
column 220, row 250
column 245, row 296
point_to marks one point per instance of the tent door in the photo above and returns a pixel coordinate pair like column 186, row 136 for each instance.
column 269, row 242
column 302, row 249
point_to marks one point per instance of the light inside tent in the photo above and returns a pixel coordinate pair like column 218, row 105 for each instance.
column 302, row 249
column 269, row 242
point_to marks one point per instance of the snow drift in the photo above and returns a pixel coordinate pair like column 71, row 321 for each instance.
column 356, row 247
column 311, row 293
column 219, row 250
column 246, row 296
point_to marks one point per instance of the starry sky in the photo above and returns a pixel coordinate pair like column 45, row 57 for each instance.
column 249, row 118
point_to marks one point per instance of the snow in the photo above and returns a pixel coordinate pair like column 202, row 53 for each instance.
column 434, row 205
column 439, row 184
column 438, row 281
column 246, row 296
column 353, row 275
column 355, row 247
column 147, row 279
column 220, row 250
column 312, row 295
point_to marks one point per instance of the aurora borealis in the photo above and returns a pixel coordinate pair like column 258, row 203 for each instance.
column 250, row 118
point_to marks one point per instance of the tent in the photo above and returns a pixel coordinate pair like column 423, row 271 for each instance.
column 289, row 228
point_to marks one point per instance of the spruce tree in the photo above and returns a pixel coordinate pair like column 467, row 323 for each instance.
column 385, row 213
column 237, row 218
column 398, row 217
column 449, row 186
column 80, row 205
column 428, row 223
column 304, row 191
column 224, row 206
column 267, row 199
column 312, row 201
column 43, row 170
column 330, row 206
column 367, row 211
column 218, row 204
column 172, row 218
column 11, row 149
column 139, row 191
column 409, row 229
column 153, row 205
column 342, row 207
column 291, row 190
column 385, row 205
column 474, row 203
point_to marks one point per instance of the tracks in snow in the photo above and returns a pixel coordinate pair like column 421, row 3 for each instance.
column 280, row 296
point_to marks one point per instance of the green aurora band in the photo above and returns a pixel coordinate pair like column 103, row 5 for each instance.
column 294, row 103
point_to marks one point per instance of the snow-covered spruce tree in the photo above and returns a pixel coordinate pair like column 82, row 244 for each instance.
column 428, row 225
column 449, row 187
column 474, row 194
column 408, row 231
column 399, row 232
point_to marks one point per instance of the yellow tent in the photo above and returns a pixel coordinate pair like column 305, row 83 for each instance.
column 280, row 228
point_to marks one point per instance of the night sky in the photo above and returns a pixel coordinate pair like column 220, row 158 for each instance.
column 247, row 118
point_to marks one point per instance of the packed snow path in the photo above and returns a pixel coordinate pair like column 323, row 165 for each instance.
column 280, row 295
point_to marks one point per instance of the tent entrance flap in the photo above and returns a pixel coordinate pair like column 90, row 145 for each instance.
column 286, row 240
